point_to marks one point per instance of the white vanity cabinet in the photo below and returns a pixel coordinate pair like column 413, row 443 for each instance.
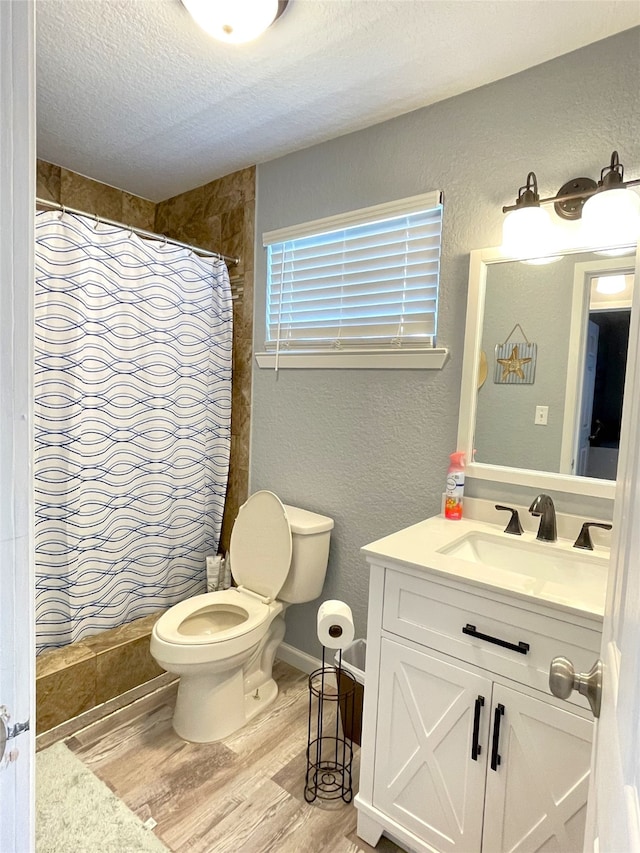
column 464, row 748
column 424, row 779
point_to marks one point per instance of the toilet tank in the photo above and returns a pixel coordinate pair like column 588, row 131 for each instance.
column 310, row 535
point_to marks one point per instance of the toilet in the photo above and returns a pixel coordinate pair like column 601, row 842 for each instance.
column 223, row 644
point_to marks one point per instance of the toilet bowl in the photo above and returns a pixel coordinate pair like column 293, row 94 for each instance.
column 223, row 644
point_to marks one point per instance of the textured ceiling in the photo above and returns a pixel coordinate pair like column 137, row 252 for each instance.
column 134, row 94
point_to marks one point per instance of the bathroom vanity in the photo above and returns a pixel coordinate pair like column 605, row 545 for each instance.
column 464, row 747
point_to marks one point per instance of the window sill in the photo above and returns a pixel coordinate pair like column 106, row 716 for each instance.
column 420, row 359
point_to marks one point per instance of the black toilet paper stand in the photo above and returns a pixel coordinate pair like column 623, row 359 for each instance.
column 329, row 746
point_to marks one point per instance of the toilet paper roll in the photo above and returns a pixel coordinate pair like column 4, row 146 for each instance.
column 335, row 624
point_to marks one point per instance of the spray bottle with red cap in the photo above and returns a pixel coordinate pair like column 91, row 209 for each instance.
column 455, row 486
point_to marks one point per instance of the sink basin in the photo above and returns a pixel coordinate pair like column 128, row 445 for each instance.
column 480, row 553
column 540, row 560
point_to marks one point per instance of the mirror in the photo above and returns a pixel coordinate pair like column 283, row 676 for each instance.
column 544, row 366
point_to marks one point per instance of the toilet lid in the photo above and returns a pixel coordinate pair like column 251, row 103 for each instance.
column 260, row 548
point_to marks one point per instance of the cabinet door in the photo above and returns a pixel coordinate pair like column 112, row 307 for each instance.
column 537, row 795
column 425, row 777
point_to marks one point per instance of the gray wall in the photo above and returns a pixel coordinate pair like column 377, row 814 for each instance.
column 370, row 448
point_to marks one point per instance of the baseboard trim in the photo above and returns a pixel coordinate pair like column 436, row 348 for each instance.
column 294, row 657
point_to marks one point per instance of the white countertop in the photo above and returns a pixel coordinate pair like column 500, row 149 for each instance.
column 578, row 586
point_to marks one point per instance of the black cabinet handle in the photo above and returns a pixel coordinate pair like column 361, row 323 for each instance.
column 495, row 755
column 522, row 648
column 476, row 749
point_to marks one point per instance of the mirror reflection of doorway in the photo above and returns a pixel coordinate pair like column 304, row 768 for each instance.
column 605, row 369
column 598, row 343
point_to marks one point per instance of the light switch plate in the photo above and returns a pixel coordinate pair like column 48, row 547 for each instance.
column 542, row 415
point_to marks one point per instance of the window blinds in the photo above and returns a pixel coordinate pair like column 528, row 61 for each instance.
column 367, row 278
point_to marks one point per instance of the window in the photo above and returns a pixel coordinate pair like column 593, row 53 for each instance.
column 356, row 290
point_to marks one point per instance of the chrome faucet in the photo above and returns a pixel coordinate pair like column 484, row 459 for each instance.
column 543, row 506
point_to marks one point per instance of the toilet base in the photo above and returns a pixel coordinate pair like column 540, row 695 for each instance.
column 260, row 699
column 223, row 706
column 219, row 704
column 216, row 700
column 219, row 699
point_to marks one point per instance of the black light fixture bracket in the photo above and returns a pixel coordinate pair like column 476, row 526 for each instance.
column 571, row 197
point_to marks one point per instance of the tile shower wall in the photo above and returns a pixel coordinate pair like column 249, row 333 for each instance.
column 65, row 187
column 75, row 678
column 218, row 216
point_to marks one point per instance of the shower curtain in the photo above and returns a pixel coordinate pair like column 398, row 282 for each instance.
column 132, row 424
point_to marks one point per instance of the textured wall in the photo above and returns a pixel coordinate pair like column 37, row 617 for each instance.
column 370, row 448
column 218, row 216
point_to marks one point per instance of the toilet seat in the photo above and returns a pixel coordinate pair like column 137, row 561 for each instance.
column 252, row 613
column 261, row 545
column 260, row 553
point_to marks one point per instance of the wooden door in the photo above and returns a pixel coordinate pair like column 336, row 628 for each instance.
column 586, row 402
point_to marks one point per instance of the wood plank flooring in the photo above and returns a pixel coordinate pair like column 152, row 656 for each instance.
column 244, row 794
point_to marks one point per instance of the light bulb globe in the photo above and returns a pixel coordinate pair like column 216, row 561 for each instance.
column 527, row 233
column 610, row 284
column 234, row 21
column 611, row 217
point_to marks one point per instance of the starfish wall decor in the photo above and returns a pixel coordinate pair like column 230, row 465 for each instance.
column 515, row 363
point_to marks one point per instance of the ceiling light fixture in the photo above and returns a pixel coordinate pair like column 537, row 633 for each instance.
column 610, row 284
column 609, row 209
column 235, row 21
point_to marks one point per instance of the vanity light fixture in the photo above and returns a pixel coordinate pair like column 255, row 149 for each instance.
column 610, row 211
column 235, row 21
column 527, row 230
column 612, row 214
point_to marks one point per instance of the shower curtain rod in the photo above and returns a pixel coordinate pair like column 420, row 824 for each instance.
column 54, row 205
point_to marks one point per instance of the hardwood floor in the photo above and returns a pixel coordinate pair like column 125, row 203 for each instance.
column 244, row 794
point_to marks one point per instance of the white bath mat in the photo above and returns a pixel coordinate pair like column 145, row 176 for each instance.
column 77, row 813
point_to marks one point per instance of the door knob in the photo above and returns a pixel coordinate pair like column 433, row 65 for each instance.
column 563, row 679
column 8, row 732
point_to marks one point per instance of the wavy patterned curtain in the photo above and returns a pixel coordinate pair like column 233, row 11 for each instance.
column 132, row 424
